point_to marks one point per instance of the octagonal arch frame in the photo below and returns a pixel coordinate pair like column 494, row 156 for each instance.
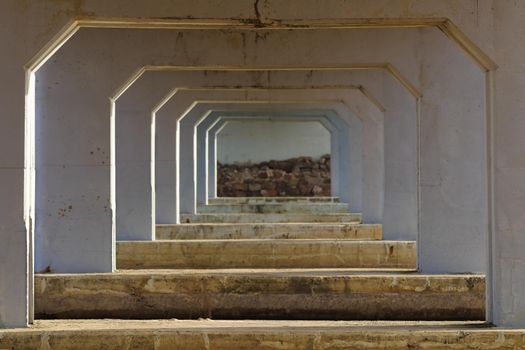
column 444, row 24
column 207, row 153
column 134, row 219
column 247, row 94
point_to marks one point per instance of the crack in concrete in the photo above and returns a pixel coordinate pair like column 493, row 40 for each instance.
column 258, row 22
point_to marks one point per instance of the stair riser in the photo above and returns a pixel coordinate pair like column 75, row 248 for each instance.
column 259, row 297
column 270, row 218
column 204, row 336
column 269, row 200
column 275, row 231
column 321, row 208
column 265, row 254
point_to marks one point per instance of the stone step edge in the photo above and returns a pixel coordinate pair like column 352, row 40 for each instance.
column 260, row 296
column 219, row 334
column 272, row 214
column 358, row 273
column 315, row 230
column 306, row 225
column 298, row 217
column 275, row 198
column 249, row 325
column 270, row 240
column 306, row 204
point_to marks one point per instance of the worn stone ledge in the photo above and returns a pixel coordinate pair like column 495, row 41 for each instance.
column 265, row 253
column 265, row 335
column 275, row 208
column 271, row 218
column 263, row 200
column 270, row 231
column 266, row 294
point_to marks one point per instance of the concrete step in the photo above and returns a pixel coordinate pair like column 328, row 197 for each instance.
column 265, row 253
column 260, row 294
column 277, row 208
column 268, row 200
column 269, row 230
column 274, row 218
column 260, row 334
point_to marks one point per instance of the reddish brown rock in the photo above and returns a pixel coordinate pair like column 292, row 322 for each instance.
column 301, row 176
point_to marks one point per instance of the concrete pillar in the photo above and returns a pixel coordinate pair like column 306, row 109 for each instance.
column 505, row 98
column 211, row 138
column 453, row 154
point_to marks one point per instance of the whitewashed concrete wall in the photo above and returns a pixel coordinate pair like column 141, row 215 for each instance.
column 453, row 167
column 508, row 243
column 258, row 141
column 493, row 25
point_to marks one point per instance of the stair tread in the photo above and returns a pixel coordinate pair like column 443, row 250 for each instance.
column 289, row 224
column 271, row 214
column 280, row 199
column 255, row 334
column 265, row 253
column 261, row 294
column 300, row 204
column 276, row 197
column 300, row 218
column 247, row 325
column 286, row 272
column 271, row 240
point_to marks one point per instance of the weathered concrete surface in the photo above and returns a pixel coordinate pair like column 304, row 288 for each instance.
column 297, row 208
column 269, row 230
column 260, row 294
column 274, row 218
column 493, row 25
column 265, row 253
column 263, row 200
column 264, row 335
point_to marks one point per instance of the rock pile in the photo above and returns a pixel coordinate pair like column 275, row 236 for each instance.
column 301, row 176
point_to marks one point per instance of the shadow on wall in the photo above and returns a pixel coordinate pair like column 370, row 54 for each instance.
column 301, row 176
